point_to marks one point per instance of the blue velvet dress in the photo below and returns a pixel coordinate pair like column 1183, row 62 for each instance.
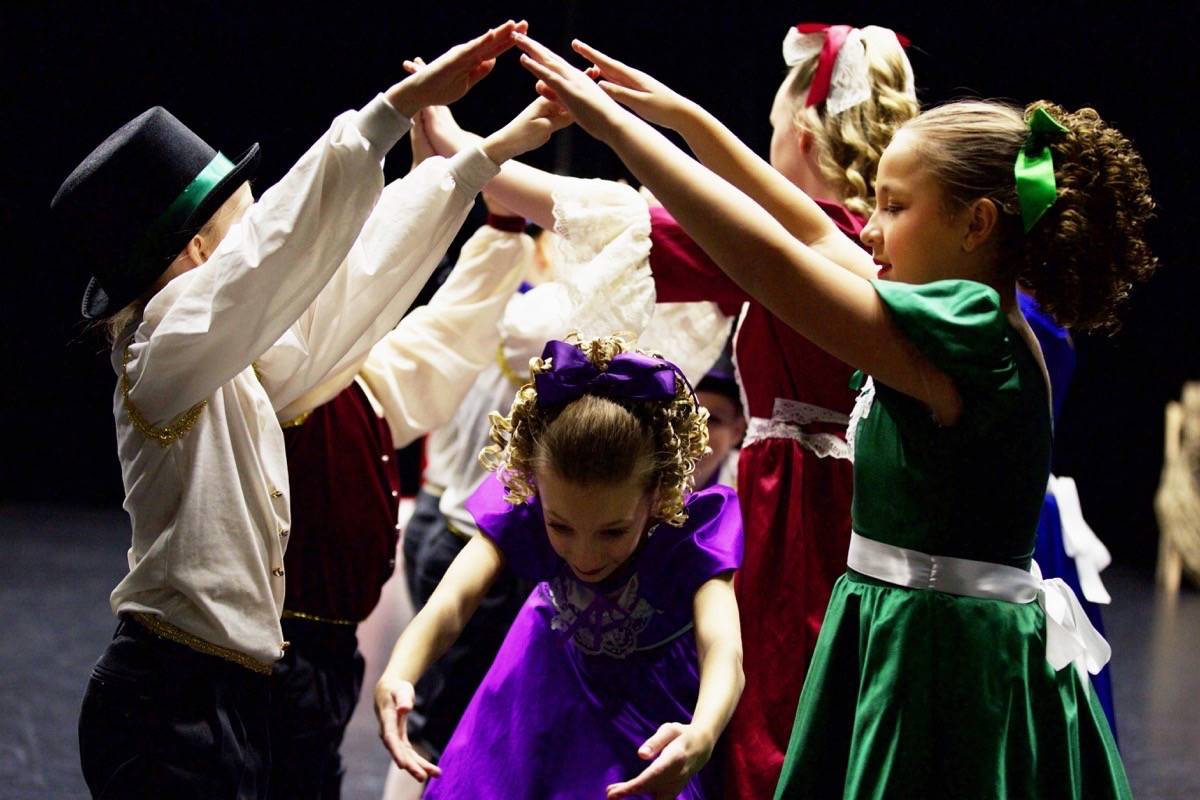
column 1050, row 552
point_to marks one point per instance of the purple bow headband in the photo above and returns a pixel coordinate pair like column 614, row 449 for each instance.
column 630, row 376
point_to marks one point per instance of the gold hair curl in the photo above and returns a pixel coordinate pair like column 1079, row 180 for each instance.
column 850, row 143
column 601, row 440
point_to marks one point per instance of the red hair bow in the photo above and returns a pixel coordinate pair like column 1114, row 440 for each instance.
column 835, row 37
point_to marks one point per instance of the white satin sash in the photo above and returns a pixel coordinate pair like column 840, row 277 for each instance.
column 1080, row 541
column 1070, row 636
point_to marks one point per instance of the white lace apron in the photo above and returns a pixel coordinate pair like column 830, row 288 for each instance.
column 787, row 421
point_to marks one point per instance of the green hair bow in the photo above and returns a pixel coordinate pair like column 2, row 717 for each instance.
column 1036, row 189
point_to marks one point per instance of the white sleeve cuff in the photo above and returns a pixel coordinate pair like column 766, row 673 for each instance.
column 382, row 124
column 472, row 169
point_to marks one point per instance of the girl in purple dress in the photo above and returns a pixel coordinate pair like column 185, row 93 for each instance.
column 624, row 665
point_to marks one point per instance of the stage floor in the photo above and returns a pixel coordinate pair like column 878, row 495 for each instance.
column 57, row 567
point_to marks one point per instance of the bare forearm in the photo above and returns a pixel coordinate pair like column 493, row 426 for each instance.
column 439, row 623
column 797, row 284
column 527, row 190
column 721, row 684
column 426, row 638
column 726, row 155
column 836, row 308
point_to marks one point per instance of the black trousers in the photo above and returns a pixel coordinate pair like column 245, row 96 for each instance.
column 162, row 720
column 314, row 689
column 443, row 692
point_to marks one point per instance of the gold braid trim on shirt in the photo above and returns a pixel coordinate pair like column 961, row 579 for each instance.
column 165, row 630
column 296, row 422
column 166, row 435
column 289, row 614
column 506, row 370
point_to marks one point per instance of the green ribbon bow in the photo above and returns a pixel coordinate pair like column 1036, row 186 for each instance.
column 1036, row 189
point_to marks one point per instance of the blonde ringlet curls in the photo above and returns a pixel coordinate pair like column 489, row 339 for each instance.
column 1088, row 250
column 850, row 143
column 599, row 440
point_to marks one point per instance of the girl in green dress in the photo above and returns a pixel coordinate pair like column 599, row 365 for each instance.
column 945, row 667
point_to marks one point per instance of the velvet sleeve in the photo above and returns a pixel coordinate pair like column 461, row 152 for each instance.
column 683, row 272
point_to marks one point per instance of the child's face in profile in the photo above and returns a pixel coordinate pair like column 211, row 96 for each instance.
column 594, row 528
column 911, row 236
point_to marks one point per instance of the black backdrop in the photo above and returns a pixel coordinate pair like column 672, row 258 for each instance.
column 277, row 73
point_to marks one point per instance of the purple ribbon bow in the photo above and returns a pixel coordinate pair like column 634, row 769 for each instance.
column 630, row 376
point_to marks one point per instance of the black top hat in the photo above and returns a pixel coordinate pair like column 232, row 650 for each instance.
column 134, row 203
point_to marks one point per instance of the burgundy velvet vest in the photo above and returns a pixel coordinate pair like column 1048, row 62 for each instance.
column 345, row 492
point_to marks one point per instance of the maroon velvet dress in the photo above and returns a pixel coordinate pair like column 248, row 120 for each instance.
column 794, row 485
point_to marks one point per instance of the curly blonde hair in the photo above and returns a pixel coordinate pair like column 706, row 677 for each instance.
column 850, row 143
column 601, row 440
column 1082, row 258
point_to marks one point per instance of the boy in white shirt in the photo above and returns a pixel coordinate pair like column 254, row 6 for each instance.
column 232, row 310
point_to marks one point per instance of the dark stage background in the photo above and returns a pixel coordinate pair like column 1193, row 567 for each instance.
column 242, row 72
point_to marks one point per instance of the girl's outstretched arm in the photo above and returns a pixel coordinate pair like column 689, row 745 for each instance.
column 677, row 750
column 430, row 633
column 526, row 190
column 725, row 154
column 824, row 301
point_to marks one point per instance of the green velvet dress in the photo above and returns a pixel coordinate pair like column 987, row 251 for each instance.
column 922, row 694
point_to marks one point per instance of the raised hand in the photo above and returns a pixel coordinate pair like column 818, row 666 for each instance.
column 650, row 99
column 595, row 111
column 678, row 752
column 444, row 132
column 422, row 148
column 393, row 702
column 528, row 130
column 452, row 74
column 439, row 127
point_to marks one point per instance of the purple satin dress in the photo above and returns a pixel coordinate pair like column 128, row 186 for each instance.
column 588, row 672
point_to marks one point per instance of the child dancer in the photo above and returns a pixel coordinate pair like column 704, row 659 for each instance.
column 599, row 281
column 936, row 673
column 345, row 496
column 846, row 92
column 628, row 651
column 204, row 282
column 1067, row 547
column 610, row 290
